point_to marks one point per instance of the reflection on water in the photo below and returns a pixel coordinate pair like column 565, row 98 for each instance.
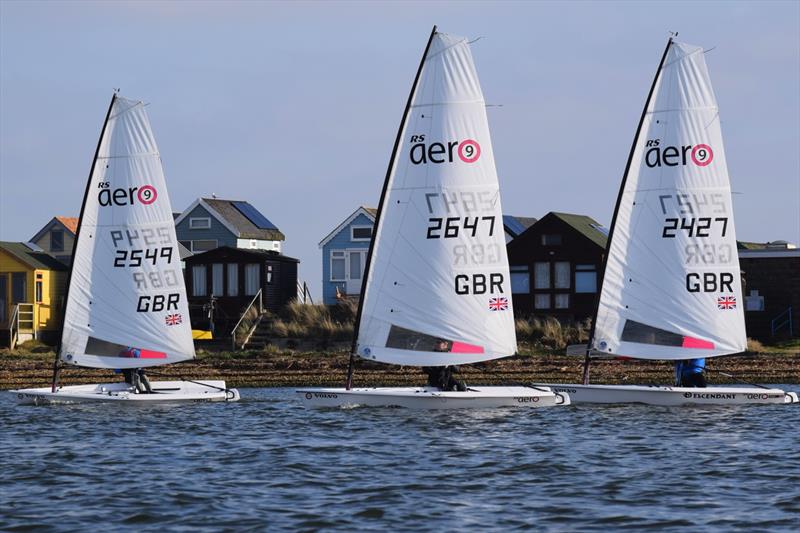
column 268, row 462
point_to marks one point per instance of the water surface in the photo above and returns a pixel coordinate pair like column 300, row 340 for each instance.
column 267, row 462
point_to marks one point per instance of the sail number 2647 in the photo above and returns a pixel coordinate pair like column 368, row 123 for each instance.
column 449, row 228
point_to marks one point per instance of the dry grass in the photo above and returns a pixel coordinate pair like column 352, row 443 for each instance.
column 549, row 334
column 319, row 322
column 754, row 346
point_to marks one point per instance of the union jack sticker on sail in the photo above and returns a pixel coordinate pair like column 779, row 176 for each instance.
column 498, row 304
column 173, row 320
column 726, row 302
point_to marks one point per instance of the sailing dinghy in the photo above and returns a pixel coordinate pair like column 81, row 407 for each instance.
column 437, row 288
column 671, row 285
column 126, row 304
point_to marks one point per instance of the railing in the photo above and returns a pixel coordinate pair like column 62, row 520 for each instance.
column 303, row 293
column 22, row 319
column 779, row 321
column 247, row 324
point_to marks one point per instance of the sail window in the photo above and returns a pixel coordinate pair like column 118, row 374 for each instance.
column 217, row 280
column 541, row 301
column 337, row 266
column 57, row 240
column 199, row 280
column 199, row 223
column 644, row 334
column 233, row 279
column 252, row 279
column 360, row 233
column 585, row 279
column 563, row 274
column 406, row 339
column 541, row 275
column 520, row 279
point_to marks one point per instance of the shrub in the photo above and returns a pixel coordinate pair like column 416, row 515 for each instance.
column 313, row 322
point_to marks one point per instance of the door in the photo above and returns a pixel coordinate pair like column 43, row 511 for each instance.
column 3, row 299
column 356, row 260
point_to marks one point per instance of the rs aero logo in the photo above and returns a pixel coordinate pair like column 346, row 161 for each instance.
column 467, row 151
column 672, row 156
column 146, row 194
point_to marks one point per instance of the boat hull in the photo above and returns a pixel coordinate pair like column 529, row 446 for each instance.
column 662, row 395
column 163, row 392
column 429, row 398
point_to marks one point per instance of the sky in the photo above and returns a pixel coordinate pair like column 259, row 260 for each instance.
column 294, row 106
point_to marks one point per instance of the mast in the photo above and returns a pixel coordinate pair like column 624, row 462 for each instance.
column 389, row 171
column 587, row 360
column 56, row 367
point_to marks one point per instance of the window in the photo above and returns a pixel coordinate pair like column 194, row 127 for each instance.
column 252, row 279
column 38, row 288
column 563, row 275
column 199, row 280
column 551, row 239
column 562, row 301
column 57, row 240
column 186, row 244
column 269, row 274
column 541, row 301
column 520, row 280
column 541, row 275
column 217, row 280
column 356, row 266
column 360, row 233
column 754, row 302
column 337, row 266
column 199, row 223
column 233, row 279
column 585, row 279
column 203, row 246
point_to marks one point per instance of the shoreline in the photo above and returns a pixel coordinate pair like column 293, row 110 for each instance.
column 328, row 369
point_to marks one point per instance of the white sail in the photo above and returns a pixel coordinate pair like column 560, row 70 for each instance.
column 672, row 287
column 439, row 270
column 126, row 306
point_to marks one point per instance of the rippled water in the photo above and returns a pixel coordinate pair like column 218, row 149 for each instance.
column 267, row 462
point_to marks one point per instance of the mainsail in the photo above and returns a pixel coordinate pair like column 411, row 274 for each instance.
column 672, row 287
column 437, row 289
column 126, row 301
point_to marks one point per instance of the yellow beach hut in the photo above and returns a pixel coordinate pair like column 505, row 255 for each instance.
column 32, row 285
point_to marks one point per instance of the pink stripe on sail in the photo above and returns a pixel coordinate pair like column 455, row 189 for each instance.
column 690, row 342
column 149, row 354
column 463, row 347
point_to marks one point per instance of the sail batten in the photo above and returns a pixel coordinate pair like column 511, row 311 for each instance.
column 671, row 287
column 126, row 300
column 438, row 289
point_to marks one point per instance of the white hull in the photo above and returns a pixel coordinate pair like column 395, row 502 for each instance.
column 661, row 395
column 163, row 392
column 429, row 398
